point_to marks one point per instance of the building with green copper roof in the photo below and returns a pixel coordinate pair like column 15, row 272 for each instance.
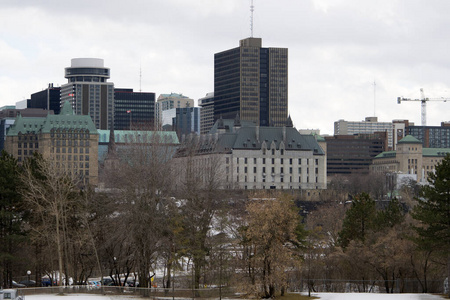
column 68, row 140
column 410, row 159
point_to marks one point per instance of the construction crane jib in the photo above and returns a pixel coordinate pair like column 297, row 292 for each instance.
column 423, row 101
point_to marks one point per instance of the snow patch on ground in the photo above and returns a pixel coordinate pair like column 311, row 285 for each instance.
column 370, row 296
column 323, row 296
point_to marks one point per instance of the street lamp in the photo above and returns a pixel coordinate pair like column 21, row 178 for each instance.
column 28, row 273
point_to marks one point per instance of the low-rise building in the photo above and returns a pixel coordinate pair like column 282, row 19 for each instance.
column 410, row 158
column 257, row 157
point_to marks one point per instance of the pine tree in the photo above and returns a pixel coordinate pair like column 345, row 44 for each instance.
column 11, row 216
column 433, row 212
column 359, row 219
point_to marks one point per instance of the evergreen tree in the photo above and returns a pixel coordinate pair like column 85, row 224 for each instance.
column 433, row 212
column 359, row 219
column 11, row 217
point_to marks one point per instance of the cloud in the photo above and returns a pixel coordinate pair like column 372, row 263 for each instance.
column 337, row 49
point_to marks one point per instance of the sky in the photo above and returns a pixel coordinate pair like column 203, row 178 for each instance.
column 348, row 59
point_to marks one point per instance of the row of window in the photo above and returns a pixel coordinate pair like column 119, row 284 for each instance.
column 273, row 170
column 28, row 145
column 70, row 143
column 291, row 160
column 291, row 179
column 69, row 150
column 75, row 157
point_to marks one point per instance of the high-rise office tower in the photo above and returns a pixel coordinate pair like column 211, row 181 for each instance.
column 206, row 113
column 133, row 110
column 48, row 99
column 88, row 90
column 169, row 101
column 252, row 81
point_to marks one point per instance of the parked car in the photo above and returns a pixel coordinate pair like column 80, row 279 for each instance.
column 45, row 281
column 17, row 285
column 28, row 283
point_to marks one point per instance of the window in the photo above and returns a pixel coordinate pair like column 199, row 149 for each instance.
column 282, row 151
column 264, row 160
column 281, row 170
column 264, row 170
column 254, row 160
column 245, row 170
column 282, row 161
column 290, row 161
column 290, row 170
column 245, row 160
column 273, row 169
column 273, row 161
column 254, row 169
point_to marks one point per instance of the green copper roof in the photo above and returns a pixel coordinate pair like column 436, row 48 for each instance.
column 435, row 151
column 131, row 136
column 65, row 120
column 409, row 139
column 386, row 154
column 426, row 152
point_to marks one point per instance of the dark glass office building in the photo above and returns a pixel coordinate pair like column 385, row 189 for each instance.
column 431, row 136
column 186, row 121
column 253, row 82
column 353, row 154
column 133, row 110
column 48, row 99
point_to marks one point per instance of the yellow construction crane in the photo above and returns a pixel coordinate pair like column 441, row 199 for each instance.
column 424, row 101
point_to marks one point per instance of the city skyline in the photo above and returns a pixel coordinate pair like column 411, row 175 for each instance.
column 342, row 54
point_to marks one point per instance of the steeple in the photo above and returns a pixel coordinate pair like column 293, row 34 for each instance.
column 289, row 122
column 66, row 109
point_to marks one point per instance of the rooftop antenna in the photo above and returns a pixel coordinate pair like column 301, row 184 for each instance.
column 374, row 96
column 252, row 9
column 140, row 78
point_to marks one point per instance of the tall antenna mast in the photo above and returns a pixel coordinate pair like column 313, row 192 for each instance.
column 252, row 8
column 374, row 96
column 140, row 78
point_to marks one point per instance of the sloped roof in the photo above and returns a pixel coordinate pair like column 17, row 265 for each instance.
column 386, row 154
column 435, row 151
column 252, row 137
column 426, row 152
column 409, row 139
column 131, row 136
column 65, row 120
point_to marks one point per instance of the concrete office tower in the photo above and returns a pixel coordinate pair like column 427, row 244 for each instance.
column 88, row 90
column 206, row 113
column 169, row 101
column 252, row 81
column 369, row 125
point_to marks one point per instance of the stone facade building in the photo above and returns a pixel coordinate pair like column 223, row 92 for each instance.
column 68, row 140
column 410, row 158
column 245, row 156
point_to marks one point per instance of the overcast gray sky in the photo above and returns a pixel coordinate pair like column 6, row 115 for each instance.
column 337, row 50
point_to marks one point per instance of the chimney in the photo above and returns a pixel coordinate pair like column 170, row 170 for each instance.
column 257, row 133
